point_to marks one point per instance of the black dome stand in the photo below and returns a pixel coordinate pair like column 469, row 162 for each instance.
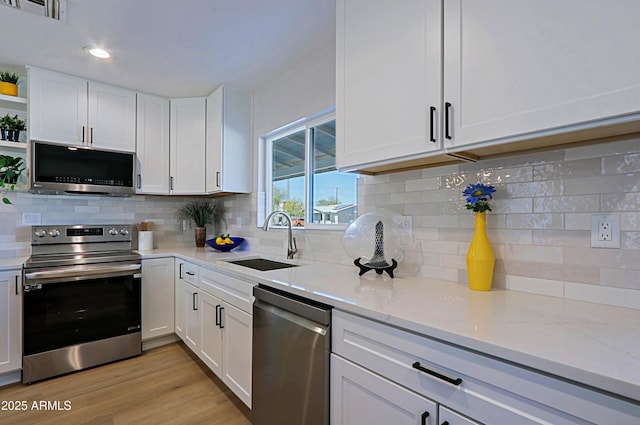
column 377, row 262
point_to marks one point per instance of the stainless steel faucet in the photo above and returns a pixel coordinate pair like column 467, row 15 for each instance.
column 291, row 247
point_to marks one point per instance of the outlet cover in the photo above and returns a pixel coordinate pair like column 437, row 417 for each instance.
column 605, row 231
column 31, row 219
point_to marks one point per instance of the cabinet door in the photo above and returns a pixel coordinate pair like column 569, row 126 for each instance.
column 449, row 417
column 237, row 334
column 152, row 145
column 228, row 141
column 361, row 397
column 388, row 59
column 112, row 117
column 187, row 135
column 57, row 107
column 188, row 315
column 211, row 347
column 10, row 321
column 157, row 297
column 535, row 66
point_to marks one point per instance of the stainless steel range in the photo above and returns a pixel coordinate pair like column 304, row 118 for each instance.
column 81, row 299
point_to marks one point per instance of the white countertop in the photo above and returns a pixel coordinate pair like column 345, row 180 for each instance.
column 594, row 344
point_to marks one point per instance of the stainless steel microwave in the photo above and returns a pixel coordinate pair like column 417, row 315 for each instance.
column 69, row 169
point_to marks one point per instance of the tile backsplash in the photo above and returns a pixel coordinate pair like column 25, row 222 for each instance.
column 540, row 226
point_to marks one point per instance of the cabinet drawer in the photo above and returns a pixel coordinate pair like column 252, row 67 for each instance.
column 234, row 291
column 490, row 390
column 187, row 271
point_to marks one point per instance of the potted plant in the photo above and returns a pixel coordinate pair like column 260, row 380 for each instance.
column 202, row 212
column 11, row 169
column 18, row 125
column 9, row 83
column 6, row 122
column 11, row 126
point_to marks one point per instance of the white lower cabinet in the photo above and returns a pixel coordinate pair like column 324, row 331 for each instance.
column 214, row 319
column 10, row 321
column 359, row 396
column 187, row 317
column 236, row 345
column 449, row 417
column 157, row 297
column 211, row 347
column 381, row 374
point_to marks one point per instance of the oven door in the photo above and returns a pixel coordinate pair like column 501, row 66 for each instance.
column 64, row 306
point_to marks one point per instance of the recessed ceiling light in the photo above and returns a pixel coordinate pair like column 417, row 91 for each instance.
column 97, row 52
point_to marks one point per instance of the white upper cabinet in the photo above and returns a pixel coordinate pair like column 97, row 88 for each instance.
column 228, row 141
column 68, row 109
column 187, row 134
column 152, row 145
column 388, row 80
column 112, row 117
column 57, row 107
column 519, row 68
column 500, row 74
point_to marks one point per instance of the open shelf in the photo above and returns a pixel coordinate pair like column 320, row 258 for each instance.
column 13, row 102
column 16, row 145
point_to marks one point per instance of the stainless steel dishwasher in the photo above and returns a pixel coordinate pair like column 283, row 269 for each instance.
column 291, row 350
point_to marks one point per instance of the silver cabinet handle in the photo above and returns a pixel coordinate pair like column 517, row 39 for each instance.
column 17, row 290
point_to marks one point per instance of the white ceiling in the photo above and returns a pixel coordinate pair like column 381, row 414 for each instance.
column 174, row 48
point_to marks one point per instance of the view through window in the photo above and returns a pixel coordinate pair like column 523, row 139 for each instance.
column 303, row 172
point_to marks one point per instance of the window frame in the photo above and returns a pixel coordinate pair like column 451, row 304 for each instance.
column 265, row 168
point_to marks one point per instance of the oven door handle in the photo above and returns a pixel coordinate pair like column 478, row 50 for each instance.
column 84, row 272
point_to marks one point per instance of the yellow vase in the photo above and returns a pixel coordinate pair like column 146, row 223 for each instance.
column 480, row 258
column 9, row 89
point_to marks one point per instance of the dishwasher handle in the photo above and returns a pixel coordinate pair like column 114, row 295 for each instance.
column 309, row 309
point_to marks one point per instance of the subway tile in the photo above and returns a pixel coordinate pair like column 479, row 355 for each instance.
column 535, row 221
column 622, row 297
column 431, row 183
column 620, row 201
column 617, row 146
column 534, row 189
column 564, row 238
column 618, row 183
column 559, row 204
column 533, row 253
column 553, row 288
column 622, row 164
column 437, row 272
column 620, row 277
column 567, row 169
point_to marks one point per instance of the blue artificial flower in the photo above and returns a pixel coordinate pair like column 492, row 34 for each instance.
column 477, row 197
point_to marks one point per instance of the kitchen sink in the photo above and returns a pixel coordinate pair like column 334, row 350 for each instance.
column 261, row 264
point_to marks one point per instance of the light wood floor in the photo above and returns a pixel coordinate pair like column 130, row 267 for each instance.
column 166, row 385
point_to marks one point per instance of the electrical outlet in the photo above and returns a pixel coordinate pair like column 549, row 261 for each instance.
column 605, row 231
column 31, row 219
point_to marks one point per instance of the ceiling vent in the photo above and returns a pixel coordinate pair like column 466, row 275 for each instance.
column 56, row 9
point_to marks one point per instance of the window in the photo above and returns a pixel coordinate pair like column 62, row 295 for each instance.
column 300, row 170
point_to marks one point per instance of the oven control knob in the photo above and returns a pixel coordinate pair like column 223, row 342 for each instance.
column 41, row 233
column 54, row 233
column 124, row 231
column 113, row 231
